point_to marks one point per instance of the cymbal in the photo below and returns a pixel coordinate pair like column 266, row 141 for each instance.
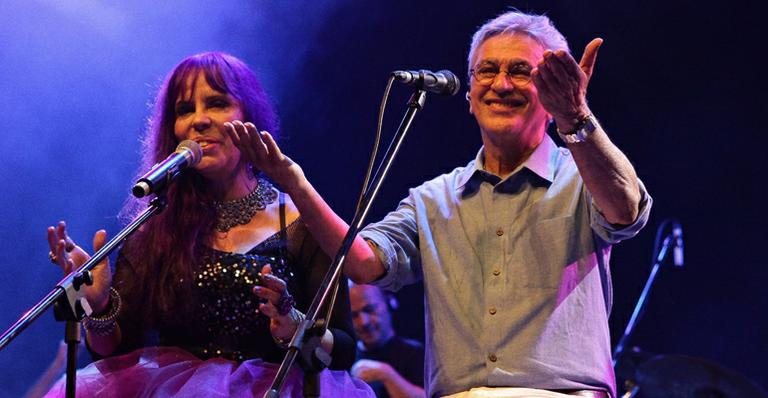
column 679, row 376
column 628, row 361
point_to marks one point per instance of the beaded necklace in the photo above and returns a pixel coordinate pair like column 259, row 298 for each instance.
column 240, row 211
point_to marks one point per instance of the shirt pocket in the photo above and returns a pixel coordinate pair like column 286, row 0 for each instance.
column 544, row 249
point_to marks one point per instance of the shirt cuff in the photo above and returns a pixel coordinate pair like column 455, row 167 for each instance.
column 386, row 255
column 609, row 232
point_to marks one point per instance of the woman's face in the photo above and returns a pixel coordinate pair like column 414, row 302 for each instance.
column 201, row 113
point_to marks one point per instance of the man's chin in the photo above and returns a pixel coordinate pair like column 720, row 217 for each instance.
column 501, row 128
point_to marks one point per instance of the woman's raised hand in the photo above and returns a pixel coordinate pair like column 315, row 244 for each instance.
column 260, row 148
column 69, row 256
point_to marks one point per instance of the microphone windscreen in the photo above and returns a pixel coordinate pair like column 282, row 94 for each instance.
column 194, row 150
column 454, row 84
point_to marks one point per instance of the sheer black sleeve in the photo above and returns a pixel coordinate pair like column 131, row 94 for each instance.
column 130, row 320
column 313, row 264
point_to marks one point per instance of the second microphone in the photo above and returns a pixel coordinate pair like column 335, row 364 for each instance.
column 442, row 82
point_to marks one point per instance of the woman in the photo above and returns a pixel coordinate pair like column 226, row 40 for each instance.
column 203, row 294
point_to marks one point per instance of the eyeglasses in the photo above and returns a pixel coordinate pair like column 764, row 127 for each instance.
column 518, row 74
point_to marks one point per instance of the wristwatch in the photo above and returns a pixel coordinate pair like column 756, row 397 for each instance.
column 584, row 128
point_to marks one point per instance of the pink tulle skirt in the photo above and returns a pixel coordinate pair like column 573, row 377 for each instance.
column 173, row 372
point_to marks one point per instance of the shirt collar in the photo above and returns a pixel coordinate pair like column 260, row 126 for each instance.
column 543, row 159
column 473, row 166
column 541, row 162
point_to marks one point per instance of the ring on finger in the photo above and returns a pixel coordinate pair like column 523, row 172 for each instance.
column 285, row 303
column 52, row 257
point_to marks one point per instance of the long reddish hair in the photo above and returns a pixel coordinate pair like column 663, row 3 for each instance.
column 164, row 253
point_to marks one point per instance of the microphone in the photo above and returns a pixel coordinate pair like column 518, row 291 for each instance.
column 442, row 82
column 188, row 154
column 677, row 249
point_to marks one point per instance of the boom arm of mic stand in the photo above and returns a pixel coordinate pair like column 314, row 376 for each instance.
column 415, row 104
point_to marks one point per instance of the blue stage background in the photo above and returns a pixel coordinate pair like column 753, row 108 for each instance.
column 677, row 86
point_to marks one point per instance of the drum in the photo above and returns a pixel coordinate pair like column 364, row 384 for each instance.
column 679, row 376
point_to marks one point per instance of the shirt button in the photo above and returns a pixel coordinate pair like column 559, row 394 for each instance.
column 492, row 358
column 499, row 232
column 492, row 310
column 496, row 272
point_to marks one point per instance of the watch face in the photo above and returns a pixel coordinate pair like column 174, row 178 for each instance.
column 589, row 126
column 581, row 134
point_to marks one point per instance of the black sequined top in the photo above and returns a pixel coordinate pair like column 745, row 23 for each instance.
column 225, row 321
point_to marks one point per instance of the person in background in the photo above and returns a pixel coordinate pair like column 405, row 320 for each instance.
column 393, row 365
column 205, row 296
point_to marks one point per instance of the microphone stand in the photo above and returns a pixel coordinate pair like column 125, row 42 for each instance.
column 659, row 256
column 67, row 298
column 642, row 300
column 306, row 340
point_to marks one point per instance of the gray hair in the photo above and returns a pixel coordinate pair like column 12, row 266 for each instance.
column 538, row 27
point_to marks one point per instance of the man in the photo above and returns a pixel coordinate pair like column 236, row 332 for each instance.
column 392, row 365
column 513, row 248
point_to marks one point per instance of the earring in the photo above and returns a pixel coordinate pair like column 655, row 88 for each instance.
column 466, row 95
column 392, row 303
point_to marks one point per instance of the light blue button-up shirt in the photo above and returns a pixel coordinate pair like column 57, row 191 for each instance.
column 516, row 278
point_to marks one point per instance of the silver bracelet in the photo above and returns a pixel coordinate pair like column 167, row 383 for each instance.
column 297, row 317
column 106, row 324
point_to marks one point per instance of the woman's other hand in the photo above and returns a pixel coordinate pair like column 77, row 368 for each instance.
column 69, row 256
column 278, row 305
